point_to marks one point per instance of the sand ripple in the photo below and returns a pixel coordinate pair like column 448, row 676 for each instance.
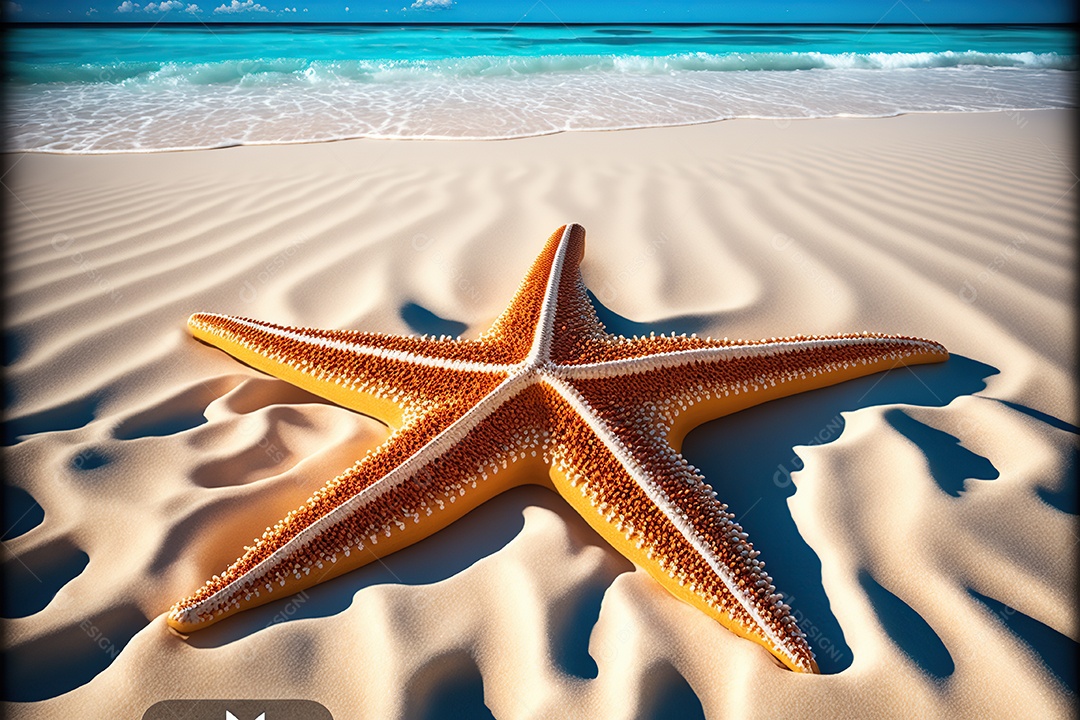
column 922, row 521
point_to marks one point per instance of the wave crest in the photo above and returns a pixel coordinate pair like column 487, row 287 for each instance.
column 257, row 71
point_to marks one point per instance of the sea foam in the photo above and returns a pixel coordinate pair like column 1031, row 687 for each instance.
column 261, row 70
column 140, row 105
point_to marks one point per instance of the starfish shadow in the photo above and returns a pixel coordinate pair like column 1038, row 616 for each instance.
column 749, row 458
column 425, row 322
column 481, row 533
column 618, row 325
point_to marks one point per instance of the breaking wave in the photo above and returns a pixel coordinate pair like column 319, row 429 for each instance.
column 299, row 71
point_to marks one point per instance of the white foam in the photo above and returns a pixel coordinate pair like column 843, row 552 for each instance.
column 275, row 103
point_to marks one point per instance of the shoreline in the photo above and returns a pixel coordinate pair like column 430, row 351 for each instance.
column 448, row 138
column 919, row 522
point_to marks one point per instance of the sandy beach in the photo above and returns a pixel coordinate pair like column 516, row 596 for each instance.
column 923, row 521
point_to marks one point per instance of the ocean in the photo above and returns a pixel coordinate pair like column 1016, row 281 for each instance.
column 107, row 89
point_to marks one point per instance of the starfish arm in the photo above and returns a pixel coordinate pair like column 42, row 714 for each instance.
column 420, row 480
column 522, row 333
column 643, row 498
column 385, row 376
column 685, row 387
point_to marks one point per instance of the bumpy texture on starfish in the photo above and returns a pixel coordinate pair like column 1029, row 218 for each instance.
column 545, row 396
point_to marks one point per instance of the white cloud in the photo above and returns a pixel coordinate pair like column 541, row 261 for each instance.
column 432, row 4
column 91, row 11
column 238, row 7
column 346, row 8
column 164, row 6
column 152, row 7
column 13, row 7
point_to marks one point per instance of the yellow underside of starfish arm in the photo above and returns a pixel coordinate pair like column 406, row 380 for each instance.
column 638, row 556
column 518, row 473
column 382, row 409
column 717, row 407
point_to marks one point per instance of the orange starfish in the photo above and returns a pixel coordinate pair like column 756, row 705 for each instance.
column 545, row 396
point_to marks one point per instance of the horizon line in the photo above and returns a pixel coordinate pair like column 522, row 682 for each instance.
column 271, row 23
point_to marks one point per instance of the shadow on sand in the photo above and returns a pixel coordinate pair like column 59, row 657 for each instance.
column 749, row 458
column 1060, row 654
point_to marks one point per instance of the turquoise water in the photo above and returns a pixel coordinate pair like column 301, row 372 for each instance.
column 109, row 89
column 47, row 54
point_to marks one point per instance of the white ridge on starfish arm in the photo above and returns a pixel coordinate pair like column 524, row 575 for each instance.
column 541, row 345
column 657, row 495
column 371, row 351
column 681, row 358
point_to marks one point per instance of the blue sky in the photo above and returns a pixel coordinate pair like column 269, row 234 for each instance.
column 569, row 11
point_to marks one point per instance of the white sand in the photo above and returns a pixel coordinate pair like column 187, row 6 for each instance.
column 951, row 227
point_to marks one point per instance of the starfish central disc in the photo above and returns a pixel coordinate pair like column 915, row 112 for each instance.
column 545, row 396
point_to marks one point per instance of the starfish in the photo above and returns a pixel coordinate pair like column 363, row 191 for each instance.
column 545, row 396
